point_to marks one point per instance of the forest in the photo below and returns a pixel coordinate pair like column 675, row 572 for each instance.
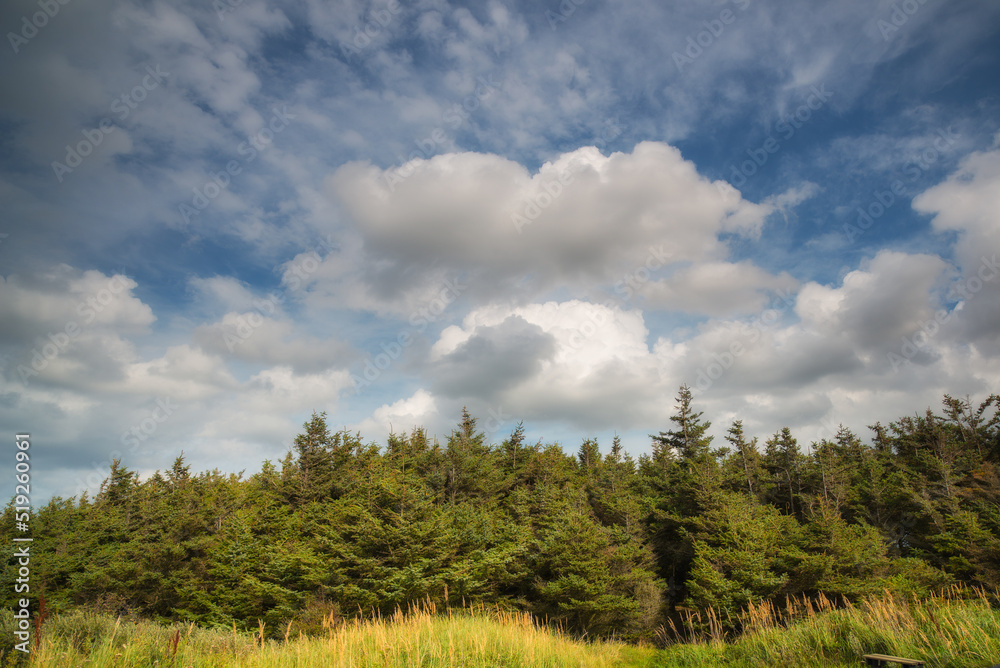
column 602, row 545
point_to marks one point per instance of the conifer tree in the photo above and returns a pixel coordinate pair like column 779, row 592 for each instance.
column 783, row 459
column 470, row 469
column 747, row 459
column 589, row 455
column 688, row 440
column 314, row 461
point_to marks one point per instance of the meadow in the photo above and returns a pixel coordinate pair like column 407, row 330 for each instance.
column 959, row 628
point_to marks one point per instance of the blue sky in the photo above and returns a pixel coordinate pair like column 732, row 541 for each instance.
column 219, row 218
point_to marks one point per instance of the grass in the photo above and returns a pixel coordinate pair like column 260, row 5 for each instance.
column 959, row 628
column 481, row 640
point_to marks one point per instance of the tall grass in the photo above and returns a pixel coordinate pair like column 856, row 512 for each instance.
column 483, row 639
column 958, row 628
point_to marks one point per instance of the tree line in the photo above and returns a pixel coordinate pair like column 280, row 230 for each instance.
column 603, row 544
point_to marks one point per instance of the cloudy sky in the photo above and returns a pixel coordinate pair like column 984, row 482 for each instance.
column 220, row 216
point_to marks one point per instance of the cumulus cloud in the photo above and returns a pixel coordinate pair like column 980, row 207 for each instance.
column 44, row 302
column 717, row 288
column 877, row 305
column 583, row 218
column 418, row 410
column 252, row 337
column 576, row 362
column 532, row 253
column 967, row 203
column 811, row 359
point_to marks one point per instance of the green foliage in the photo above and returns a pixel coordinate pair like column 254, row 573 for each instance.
column 482, row 639
column 599, row 542
column 960, row 629
column 743, row 553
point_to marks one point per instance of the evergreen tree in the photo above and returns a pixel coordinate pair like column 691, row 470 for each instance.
column 341, row 524
column 746, row 459
column 314, row 460
column 470, row 471
column 783, row 461
column 688, row 440
column 589, row 455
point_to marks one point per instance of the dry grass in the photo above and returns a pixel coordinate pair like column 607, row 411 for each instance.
column 957, row 628
column 482, row 638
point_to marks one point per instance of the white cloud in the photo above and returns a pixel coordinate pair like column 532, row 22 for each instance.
column 62, row 298
column 968, row 202
column 256, row 338
column 418, row 410
column 717, row 288
column 877, row 305
column 581, row 219
column 809, row 361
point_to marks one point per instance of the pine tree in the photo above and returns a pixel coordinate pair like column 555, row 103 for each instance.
column 315, row 457
column 747, row 458
column 179, row 473
column 589, row 455
column 688, row 441
column 471, row 471
column 117, row 488
column 783, row 459
column 514, row 453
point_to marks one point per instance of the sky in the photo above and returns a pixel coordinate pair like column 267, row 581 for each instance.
column 220, row 216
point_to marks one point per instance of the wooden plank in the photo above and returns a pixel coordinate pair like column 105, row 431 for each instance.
column 882, row 659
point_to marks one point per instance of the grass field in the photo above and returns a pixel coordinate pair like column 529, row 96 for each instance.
column 958, row 629
column 484, row 639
